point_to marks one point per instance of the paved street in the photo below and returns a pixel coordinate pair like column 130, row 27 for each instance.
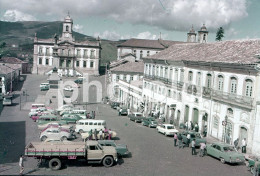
column 151, row 153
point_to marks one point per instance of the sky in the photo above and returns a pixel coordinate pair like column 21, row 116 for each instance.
column 144, row 19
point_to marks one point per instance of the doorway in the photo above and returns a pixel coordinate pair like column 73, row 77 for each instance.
column 195, row 115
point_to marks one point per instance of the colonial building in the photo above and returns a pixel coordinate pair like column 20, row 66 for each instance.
column 214, row 84
column 13, row 60
column 136, row 49
column 202, row 35
column 66, row 54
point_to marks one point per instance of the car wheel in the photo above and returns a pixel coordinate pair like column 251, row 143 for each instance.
column 81, row 131
column 108, row 161
column 43, row 138
column 55, row 164
column 63, row 138
column 222, row 160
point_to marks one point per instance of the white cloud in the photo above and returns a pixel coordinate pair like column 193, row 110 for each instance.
column 166, row 14
column 149, row 35
column 110, row 35
column 78, row 28
column 15, row 15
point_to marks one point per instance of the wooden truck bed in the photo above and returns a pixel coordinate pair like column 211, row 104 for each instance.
column 55, row 149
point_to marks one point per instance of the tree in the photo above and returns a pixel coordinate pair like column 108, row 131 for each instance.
column 220, row 34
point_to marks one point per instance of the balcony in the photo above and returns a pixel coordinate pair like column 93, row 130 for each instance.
column 48, row 54
column 239, row 100
column 64, row 54
column 192, row 89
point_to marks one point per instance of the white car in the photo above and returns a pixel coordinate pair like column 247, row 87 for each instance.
column 167, row 129
column 68, row 88
column 56, row 133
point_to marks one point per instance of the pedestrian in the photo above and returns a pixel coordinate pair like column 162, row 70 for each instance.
column 90, row 135
column 257, row 167
column 119, row 112
column 186, row 125
column 175, row 138
column 109, row 134
column 202, row 149
column 180, row 141
column 21, row 165
column 243, row 145
column 100, row 133
column 188, row 140
column 191, row 125
column 128, row 111
column 196, row 127
column 95, row 134
column 205, row 131
column 105, row 133
column 236, row 143
column 193, row 150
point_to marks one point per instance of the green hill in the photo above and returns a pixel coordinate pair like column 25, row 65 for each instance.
column 16, row 38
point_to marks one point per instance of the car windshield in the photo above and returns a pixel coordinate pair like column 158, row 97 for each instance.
column 170, row 127
column 138, row 115
column 228, row 149
column 153, row 122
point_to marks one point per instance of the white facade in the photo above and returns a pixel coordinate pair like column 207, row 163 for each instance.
column 139, row 53
column 218, row 95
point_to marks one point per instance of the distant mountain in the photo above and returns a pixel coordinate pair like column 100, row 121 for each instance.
column 18, row 37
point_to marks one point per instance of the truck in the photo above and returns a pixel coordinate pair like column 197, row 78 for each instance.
column 57, row 153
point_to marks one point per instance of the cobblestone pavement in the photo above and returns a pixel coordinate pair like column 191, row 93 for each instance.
column 151, row 153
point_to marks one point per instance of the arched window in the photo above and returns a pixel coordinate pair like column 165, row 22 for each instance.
column 220, row 82
column 230, row 111
column 161, row 72
column 67, row 28
column 204, row 37
column 141, row 54
column 145, row 84
column 233, row 85
column 190, row 76
column 169, row 93
column 216, row 122
column 198, row 79
column 208, row 80
column 176, row 74
column 249, row 88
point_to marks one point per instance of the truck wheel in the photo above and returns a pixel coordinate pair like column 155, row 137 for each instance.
column 43, row 138
column 63, row 138
column 55, row 164
column 108, row 161
column 222, row 160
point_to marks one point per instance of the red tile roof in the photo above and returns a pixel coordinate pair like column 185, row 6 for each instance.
column 130, row 67
column 238, row 51
column 144, row 43
column 11, row 60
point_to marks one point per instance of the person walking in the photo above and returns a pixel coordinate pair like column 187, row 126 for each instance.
column 186, row 125
column 191, row 125
column 90, row 135
column 100, row 133
column 119, row 112
column 202, row 149
column 243, row 145
column 193, row 150
column 180, row 141
column 188, row 140
column 95, row 134
column 175, row 138
column 196, row 127
column 21, row 164
column 109, row 134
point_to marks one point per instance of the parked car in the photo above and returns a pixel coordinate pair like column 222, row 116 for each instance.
column 71, row 118
column 114, row 105
column 123, row 110
column 79, row 81
column 57, row 124
column 121, row 149
column 35, row 117
column 251, row 164
column 167, row 129
column 224, row 152
column 44, row 86
column 56, row 133
column 193, row 135
column 46, row 119
column 136, row 117
column 149, row 122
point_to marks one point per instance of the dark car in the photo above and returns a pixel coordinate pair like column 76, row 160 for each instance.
column 121, row 149
column 137, row 117
column 193, row 135
column 149, row 122
column 79, row 81
column 114, row 105
column 123, row 111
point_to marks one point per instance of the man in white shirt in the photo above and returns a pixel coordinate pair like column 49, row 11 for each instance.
column 243, row 145
column 21, row 164
column 188, row 140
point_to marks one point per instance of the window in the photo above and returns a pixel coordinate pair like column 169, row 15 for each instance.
column 77, row 64
column 78, row 52
column 161, row 72
column 69, row 52
column 204, row 37
column 176, row 74
column 141, row 54
column 131, row 78
column 249, row 88
column 117, row 77
column 216, row 122
column 233, row 85
column 148, row 53
column 134, row 52
column 40, row 50
column 169, row 93
column 84, row 64
column 62, row 52
column 220, row 82
column 91, row 64
column 124, row 78
column 47, row 51
column 230, row 111
column 40, row 61
column 190, row 76
column 198, row 79
column 85, row 52
column 208, row 80
column 92, row 54
column 145, row 84
column 46, row 61
column 156, row 71
column 166, row 72
column 182, row 75
column 153, row 71
column 67, row 28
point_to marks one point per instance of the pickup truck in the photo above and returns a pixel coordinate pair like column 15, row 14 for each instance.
column 58, row 153
column 136, row 117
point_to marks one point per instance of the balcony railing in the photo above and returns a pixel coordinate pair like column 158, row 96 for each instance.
column 206, row 92
column 231, row 98
column 192, row 89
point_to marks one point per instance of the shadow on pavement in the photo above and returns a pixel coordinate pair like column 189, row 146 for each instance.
column 19, row 85
column 12, row 141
